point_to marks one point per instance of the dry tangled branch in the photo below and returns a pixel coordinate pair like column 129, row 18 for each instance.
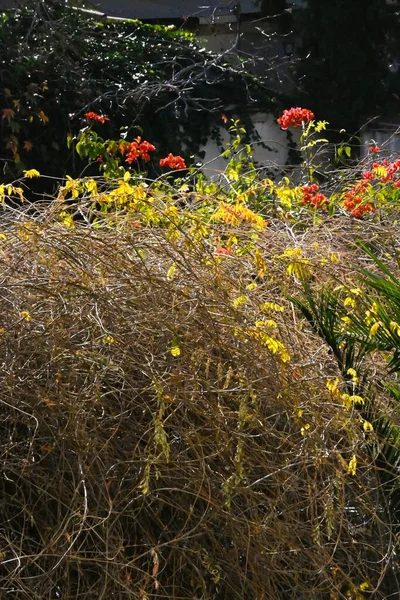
column 153, row 447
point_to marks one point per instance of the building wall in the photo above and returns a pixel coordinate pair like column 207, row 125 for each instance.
column 270, row 134
column 384, row 135
column 170, row 9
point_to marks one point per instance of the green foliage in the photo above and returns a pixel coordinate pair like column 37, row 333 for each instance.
column 325, row 311
column 57, row 63
column 370, row 326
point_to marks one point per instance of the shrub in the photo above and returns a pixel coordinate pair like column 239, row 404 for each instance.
column 166, row 430
column 170, row 427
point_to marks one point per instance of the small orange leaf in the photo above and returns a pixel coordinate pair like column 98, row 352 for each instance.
column 43, row 117
column 12, row 144
column 28, row 145
column 8, row 113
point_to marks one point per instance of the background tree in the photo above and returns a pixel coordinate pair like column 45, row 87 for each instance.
column 57, row 63
column 349, row 47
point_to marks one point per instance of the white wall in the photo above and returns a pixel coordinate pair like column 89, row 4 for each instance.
column 270, row 134
column 384, row 135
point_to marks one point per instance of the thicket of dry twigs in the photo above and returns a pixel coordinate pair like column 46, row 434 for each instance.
column 153, row 447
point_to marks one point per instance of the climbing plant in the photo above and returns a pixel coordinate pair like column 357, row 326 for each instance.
column 57, row 63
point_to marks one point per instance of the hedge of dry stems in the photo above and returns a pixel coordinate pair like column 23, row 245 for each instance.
column 152, row 445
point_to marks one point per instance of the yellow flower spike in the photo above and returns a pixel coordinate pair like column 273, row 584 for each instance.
column 374, row 308
column 334, row 258
column 374, row 328
column 273, row 345
column 352, row 467
column 357, row 400
column 108, row 339
column 368, row 427
column 260, row 264
column 347, row 400
column 251, row 286
column 266, row 323
column 171, row 272
column 235, row 214
column 24, row 314
column 356, row 291
column 67, row 219
column 332, row 385
column 267, row 306
column 175, row 351
column 305, row 428
column 270, row 323
column 349, row 302
column 364, row 586
column 284, row 356
column 91, row 186
column 31, row 173
column 292, row 252
column 240, row 300
column 394, row 327
column 353, row 374
column 299, row 269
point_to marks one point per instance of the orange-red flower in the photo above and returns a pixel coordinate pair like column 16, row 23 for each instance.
column 295, row 117
column 312, row 197
column 368, row 175
column 144, row 149
column 92, row 116
column 354, row 199
column 173, row 162
column 138, row 149
column 223, row 251
column 374, row 149
column 132, row 152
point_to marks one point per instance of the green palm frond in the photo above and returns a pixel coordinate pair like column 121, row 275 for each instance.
column 324, row 310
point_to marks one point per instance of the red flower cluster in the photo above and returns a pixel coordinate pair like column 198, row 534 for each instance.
column 137, row 149
column 223, row 251
column 354, row 201
column 313, row 197
column 173, row 162
column 295, row 117
column 92, row 116
column 380, row 172
column 374, row 149
column 389, row 168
